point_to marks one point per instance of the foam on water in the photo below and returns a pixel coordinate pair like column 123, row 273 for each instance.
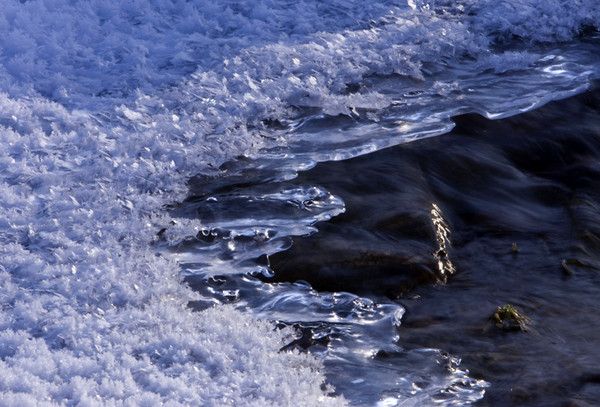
column 108, row 108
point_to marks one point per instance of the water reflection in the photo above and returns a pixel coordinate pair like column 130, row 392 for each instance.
column 442, row 236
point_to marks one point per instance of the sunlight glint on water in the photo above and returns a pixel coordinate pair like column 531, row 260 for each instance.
column 109, row 108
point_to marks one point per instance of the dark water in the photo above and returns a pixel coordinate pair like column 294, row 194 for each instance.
column 417, row 245
column 451, row 227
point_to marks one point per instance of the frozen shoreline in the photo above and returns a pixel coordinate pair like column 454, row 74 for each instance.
column 102, row 124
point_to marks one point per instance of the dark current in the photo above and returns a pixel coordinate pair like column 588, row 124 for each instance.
column 520, row 202
column 435, row 235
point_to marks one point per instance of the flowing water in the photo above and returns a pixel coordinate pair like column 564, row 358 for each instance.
column 390, row 265
column 494, row 212
column 370, row 179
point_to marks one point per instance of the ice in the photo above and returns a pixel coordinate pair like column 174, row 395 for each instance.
column 108, row 108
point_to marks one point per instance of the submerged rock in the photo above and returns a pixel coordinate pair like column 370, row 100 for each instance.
column 509, row 318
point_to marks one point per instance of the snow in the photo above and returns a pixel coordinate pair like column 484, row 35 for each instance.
column 108, row 107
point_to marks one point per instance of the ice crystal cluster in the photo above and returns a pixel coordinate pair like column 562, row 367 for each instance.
column 108, row 107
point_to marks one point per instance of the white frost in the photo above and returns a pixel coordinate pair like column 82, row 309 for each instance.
column 108, row 107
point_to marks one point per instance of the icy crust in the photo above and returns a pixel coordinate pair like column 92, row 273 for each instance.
column 268, row 53
column 90, row 314
column 535, row 20
column 65, row 49
column 107, row 108
column 142, row 357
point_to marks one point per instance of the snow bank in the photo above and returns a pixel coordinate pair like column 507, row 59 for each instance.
column 108, row 107
column 89, row 312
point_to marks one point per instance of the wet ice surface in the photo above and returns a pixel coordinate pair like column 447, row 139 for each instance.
column 354, row 336
column 249, row 211
column 109, row 108
column 430, row 227
column 519, row 200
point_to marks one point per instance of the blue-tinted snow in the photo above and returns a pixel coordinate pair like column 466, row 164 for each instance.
column 108, row 107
